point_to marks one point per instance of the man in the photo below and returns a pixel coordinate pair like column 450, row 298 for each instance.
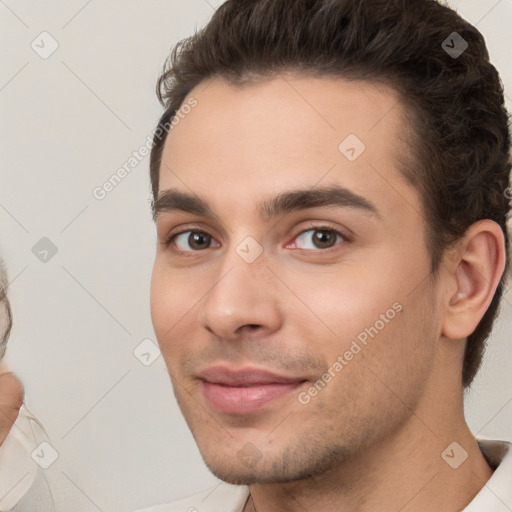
column 330, row 194
column 23, row 485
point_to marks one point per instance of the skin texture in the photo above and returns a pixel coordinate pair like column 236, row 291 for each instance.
column 372, row 438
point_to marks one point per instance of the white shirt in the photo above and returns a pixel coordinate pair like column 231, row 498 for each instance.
column 23, row 483
column 495, row 496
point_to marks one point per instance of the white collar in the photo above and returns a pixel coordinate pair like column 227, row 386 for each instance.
column 496, row 494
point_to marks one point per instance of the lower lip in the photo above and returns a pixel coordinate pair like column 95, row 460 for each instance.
column 243, row 400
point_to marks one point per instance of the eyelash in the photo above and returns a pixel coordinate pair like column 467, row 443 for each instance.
column 311, row 227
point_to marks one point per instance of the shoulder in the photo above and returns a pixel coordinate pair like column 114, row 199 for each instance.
column 225, row 497
column 496, row 494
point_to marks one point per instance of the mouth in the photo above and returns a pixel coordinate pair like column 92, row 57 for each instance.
column 245, row 390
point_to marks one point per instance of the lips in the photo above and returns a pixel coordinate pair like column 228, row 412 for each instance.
column 244, row 390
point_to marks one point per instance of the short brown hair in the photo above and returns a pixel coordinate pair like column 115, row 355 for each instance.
column 461, row 138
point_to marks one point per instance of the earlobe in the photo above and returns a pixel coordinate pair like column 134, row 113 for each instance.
column 474, row 276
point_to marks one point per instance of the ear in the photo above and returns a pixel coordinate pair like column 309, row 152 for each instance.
column 475, row 269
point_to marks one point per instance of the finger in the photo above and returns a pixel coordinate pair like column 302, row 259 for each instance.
column 11, row 399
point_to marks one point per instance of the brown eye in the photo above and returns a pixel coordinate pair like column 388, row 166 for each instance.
column 318, row 238
column 199, row 240
column 190, row 241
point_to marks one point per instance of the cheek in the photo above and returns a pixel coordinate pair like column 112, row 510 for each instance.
column 172, row 302
column 375, row 370
column 158, row 298
column 369, row 316
column 338, row 303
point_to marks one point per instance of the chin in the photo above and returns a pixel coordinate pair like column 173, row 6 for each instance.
column 289, row 466
column 239, row 475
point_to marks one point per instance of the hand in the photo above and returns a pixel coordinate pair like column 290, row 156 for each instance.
column 11, row 398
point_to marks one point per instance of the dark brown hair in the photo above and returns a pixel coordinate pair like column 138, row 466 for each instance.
column 460, row 139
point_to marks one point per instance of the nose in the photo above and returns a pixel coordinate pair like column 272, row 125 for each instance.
column 242, row 300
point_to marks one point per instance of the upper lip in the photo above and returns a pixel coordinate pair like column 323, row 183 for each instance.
column 246, row 376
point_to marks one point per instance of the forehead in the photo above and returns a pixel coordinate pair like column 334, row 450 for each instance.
column 321, row 110
column 286, row 132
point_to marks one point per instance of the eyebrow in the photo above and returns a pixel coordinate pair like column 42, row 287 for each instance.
column 285, row 202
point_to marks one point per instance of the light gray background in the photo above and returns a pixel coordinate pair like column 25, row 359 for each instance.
column 68, row 123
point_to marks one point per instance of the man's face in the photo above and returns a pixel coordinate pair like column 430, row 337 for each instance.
column 299, row 333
